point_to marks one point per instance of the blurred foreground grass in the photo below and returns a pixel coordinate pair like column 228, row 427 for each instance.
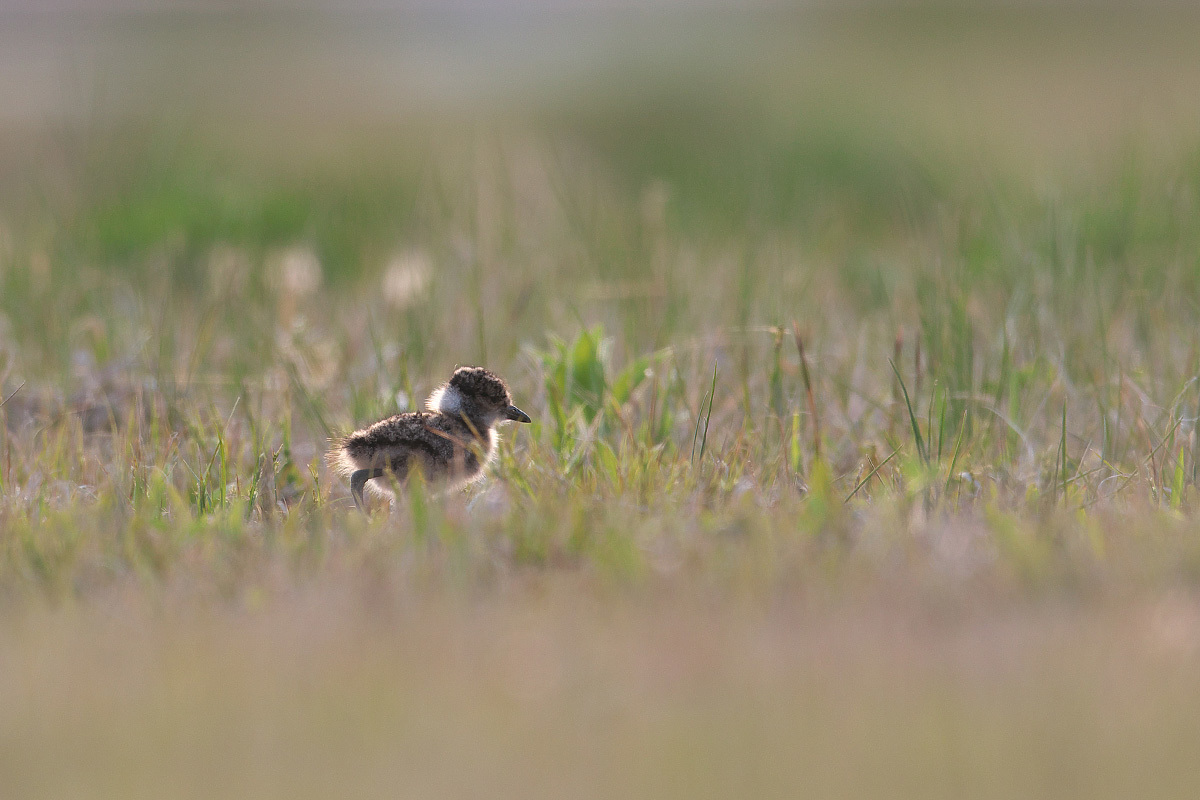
column 864, row 455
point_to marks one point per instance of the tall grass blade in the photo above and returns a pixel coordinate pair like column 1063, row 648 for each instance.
column 1178, row 484
column 1063, row 450
column 712, row 394
column 912, row 417
column 808, row 390
column 962, row 430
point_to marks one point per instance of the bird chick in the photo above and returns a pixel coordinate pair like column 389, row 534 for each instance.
column 450, row 443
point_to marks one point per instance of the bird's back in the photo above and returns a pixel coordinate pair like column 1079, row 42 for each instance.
column 443, row 447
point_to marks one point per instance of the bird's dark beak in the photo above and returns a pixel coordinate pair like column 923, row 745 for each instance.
column 516, row 414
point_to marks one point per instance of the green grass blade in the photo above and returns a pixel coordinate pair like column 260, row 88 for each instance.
column 712, row 394
column 912, row 417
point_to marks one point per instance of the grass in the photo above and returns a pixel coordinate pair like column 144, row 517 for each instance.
column 861, row 460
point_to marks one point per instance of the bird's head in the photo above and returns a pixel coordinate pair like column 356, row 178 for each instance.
column 479, row 394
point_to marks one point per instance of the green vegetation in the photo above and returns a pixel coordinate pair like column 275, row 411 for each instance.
column 864, row 454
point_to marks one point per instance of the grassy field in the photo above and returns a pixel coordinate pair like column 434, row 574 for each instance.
column 862, row 352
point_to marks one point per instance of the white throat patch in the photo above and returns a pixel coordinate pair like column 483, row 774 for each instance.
column 447, row 400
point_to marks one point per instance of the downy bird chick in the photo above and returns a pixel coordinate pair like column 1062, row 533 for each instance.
column 450, row 443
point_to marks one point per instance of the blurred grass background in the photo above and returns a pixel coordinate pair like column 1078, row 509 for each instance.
column 738, row 551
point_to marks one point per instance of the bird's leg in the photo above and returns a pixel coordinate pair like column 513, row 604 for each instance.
column 358, row 481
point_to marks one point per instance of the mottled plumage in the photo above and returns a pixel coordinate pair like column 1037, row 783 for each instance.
column 450, row 443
